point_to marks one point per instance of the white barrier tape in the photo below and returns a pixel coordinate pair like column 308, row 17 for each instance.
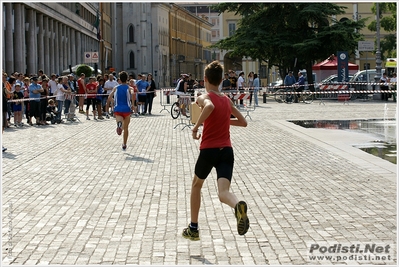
column 335, row 92
column 239, row 96
column 335, row 84
column 29, row 99
column 66, row 96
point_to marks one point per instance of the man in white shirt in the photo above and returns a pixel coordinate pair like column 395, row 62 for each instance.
column 240, row 85
column 52, row 84
column 393, row 85
column 108, row 86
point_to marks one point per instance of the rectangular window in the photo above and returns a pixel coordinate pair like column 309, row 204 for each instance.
column 215, row 21
column 215, row 34
column 232, row 28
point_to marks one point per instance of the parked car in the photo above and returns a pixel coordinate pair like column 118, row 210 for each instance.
column 362, row 80
column 273, row 86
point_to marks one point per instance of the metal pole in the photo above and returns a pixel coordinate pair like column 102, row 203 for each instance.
column 378, row 61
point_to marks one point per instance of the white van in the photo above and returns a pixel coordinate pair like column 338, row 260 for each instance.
column 364, row 78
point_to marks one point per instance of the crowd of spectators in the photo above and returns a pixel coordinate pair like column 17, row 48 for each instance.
column 42, row 100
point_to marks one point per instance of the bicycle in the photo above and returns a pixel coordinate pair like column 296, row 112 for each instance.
column 285, row 95
column 306, row 96
column 181, row 106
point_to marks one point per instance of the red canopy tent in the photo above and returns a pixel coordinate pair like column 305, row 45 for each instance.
column 330, row 66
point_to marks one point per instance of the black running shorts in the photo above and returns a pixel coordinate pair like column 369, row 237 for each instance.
column 220, row 158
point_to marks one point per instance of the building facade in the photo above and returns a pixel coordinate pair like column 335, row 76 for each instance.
column 158, row 38
column 47, row 36
column 190, row 38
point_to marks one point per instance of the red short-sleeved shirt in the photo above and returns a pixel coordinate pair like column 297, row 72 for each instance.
column 216, row 131
column 91, row 89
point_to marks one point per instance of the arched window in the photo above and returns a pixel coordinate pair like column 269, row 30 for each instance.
column 131, row 60
column 343, row 19
column 131, row 34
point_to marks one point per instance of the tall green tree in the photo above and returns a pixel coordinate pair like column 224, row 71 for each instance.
column 291, row 36
column 388, row 23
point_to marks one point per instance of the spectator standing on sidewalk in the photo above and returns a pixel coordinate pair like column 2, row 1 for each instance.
column 132, row 84
column 99, row 97
column 289, row 79
column 385, row 80
column 142, row 87
column 250, row 80
column 71, row 98
column 300, row 84
column 110, row 84
column 25, row 88
column 233, row 80
column 151, row 93
column 4, row 112
column 226, row 84
column 17, row 106
column 53, row 84
column 9, row 85
column 81, row 91
column 91, row 89
column 256, row 85
column 43, row 100
column 393, row 86
column 215, row 150
column 34, row 94
column 240, row 86
column 60, row 97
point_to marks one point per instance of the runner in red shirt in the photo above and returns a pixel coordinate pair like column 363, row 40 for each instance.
column 215, row 150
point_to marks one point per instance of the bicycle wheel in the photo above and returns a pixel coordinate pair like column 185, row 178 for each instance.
column 279, row 96
column 290, row 96
column 308, row 97
column 187, row 111
column 175, row 110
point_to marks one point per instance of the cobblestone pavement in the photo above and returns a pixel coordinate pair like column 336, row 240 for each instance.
column 78, row 199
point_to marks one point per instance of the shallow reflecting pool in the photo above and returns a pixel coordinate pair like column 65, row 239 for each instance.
column 385, row 129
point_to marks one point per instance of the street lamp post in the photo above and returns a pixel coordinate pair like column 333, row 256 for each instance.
column 378, row 61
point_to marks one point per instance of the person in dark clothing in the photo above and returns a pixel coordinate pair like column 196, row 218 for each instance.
column 151, row 93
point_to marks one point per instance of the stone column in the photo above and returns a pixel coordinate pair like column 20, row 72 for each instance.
column 30, row 42
column 9, row 44
column 56, row 47
column 60, row 47
column 24, row 51
column 51, row 45
column 19, row 31
column 79, row 51
column 47, row 68
column 72, row 42
column 40, row 43
column 66, row 52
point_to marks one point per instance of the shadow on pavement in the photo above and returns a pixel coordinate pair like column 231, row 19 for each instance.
column 135, row 158
column 202, row 260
